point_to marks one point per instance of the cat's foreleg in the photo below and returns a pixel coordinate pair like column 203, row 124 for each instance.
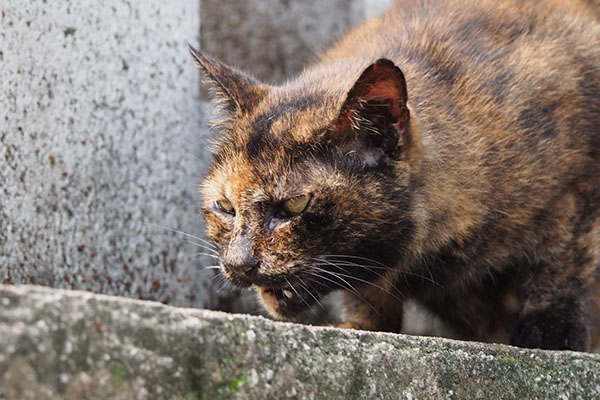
column 555, row 311
column 372, row 309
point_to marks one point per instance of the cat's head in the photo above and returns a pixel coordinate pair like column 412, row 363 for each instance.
column 311, row 185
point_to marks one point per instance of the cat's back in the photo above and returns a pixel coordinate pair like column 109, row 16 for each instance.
column 412, row 24
column 513, row 83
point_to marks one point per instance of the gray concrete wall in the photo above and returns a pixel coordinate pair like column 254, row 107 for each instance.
column 374, row 8
column 275, row 39
column 101, row 135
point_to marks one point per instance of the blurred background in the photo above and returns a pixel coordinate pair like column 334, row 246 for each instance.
column 103, row 128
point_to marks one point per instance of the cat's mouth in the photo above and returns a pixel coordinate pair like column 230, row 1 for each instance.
column 281, row 298
column 279, row 294
column 285, row 302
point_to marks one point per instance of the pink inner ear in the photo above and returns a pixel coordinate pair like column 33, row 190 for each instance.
column 381, row 84
column 381, row 91
column 386, row 92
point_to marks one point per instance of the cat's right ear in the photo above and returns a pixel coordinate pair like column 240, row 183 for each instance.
column 237, row 92
column 374, row 120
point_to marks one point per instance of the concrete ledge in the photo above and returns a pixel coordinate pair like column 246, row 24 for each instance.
column 73, row 345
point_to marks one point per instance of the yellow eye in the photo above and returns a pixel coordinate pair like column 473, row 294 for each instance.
column 296, row 205
column 225, row 206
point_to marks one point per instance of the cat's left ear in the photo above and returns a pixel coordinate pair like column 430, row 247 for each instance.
column 236, row 91
column 374, row 119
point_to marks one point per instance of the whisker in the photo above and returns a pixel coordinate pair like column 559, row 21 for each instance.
column 354, row 291
column 215, row 277
column 337, row 285
column 208, row 255
column 340, row 267
column 430, row 273
column 203, row 163
column 349, row 264
column 224, row 285
column 202, row 246
column 309, row 292
column 411, row 273
column 352, row 264
column 359, row 258
column 369, row 283
column 297, row 294
column 362, row 280
column 219, row 281
column 183, row 233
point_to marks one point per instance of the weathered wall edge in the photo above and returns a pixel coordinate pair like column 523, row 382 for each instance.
column 70, row 344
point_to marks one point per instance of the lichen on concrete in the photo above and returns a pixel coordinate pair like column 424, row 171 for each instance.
column 69, row 344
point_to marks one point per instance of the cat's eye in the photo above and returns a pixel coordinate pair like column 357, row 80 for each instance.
column 225, row 206
column 296, row 205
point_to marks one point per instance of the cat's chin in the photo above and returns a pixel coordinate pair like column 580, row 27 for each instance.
column 283, row 303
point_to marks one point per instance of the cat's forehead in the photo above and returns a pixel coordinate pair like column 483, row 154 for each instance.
column 242, row 179
column 287, row 116
column 263, row 153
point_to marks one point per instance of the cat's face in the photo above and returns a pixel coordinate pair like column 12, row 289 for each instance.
column 298, row 204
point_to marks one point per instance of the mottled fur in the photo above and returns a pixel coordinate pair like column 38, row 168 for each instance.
column 479, row 196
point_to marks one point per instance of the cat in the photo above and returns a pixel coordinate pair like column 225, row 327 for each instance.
column 446, row 152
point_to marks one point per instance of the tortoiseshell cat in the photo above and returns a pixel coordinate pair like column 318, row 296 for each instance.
column 447, row 152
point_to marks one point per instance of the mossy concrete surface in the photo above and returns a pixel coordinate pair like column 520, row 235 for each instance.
column 59, row 344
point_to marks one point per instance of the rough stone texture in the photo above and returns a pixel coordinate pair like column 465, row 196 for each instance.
column 274, row 39
column 101, row 136
column 71, row 345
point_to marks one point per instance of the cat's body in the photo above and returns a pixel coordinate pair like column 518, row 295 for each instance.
column 479, row 196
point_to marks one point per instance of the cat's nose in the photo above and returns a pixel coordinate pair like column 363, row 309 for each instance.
column 240, row 258
column 246, row 267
